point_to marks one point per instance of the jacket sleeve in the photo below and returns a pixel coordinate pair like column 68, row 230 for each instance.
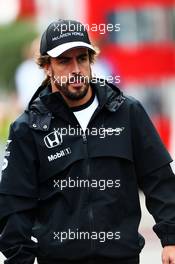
column 160, row 201
column 18, row 197
column 155, row 176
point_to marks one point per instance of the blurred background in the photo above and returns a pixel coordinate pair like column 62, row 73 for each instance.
column 142, row 53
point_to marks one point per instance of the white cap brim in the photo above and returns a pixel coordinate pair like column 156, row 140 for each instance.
column 55, row 52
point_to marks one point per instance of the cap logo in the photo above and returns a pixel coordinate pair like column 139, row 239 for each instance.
column 67, row 35
column 63, row 35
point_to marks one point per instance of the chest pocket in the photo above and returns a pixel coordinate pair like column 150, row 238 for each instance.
column 116, row 144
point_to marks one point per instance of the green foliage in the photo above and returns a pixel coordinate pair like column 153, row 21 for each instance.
column 13, row 37
column 4, row 130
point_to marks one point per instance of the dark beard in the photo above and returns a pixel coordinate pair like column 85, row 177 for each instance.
column 64, row 88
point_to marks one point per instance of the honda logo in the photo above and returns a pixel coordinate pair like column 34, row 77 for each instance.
column 53, row 139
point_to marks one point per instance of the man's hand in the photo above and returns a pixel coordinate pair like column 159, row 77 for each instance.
column 168, row 255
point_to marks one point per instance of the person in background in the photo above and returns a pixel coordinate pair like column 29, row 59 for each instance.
column 28, row 76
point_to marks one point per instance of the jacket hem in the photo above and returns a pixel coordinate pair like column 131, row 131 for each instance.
column 100, row 260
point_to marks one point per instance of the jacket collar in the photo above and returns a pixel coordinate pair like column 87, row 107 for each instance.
column 45, row 104
column 108, row 95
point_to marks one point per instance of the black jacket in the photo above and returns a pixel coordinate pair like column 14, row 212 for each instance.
column 126, row 154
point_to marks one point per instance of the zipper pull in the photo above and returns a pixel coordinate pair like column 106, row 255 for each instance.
column 84, row 138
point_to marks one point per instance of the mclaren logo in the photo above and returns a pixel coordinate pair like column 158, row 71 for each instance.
column 53, row 139
column 117, row 130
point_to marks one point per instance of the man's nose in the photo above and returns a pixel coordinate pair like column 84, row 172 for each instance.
column 75, row 67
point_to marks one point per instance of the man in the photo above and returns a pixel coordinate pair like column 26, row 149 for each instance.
column 74, row 162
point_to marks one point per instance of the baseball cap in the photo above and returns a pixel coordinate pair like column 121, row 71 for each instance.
column 62, row 35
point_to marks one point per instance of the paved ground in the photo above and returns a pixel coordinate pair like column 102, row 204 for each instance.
column 152, row 250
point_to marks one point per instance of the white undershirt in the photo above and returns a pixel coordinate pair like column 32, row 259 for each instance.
column 83, row 116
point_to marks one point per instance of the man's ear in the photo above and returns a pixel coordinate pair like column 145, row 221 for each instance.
column 47, row 69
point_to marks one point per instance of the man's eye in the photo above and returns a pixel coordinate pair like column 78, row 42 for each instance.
column 63, row 61
column 84, row 58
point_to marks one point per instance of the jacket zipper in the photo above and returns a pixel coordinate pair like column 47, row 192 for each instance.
column 90, row 210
